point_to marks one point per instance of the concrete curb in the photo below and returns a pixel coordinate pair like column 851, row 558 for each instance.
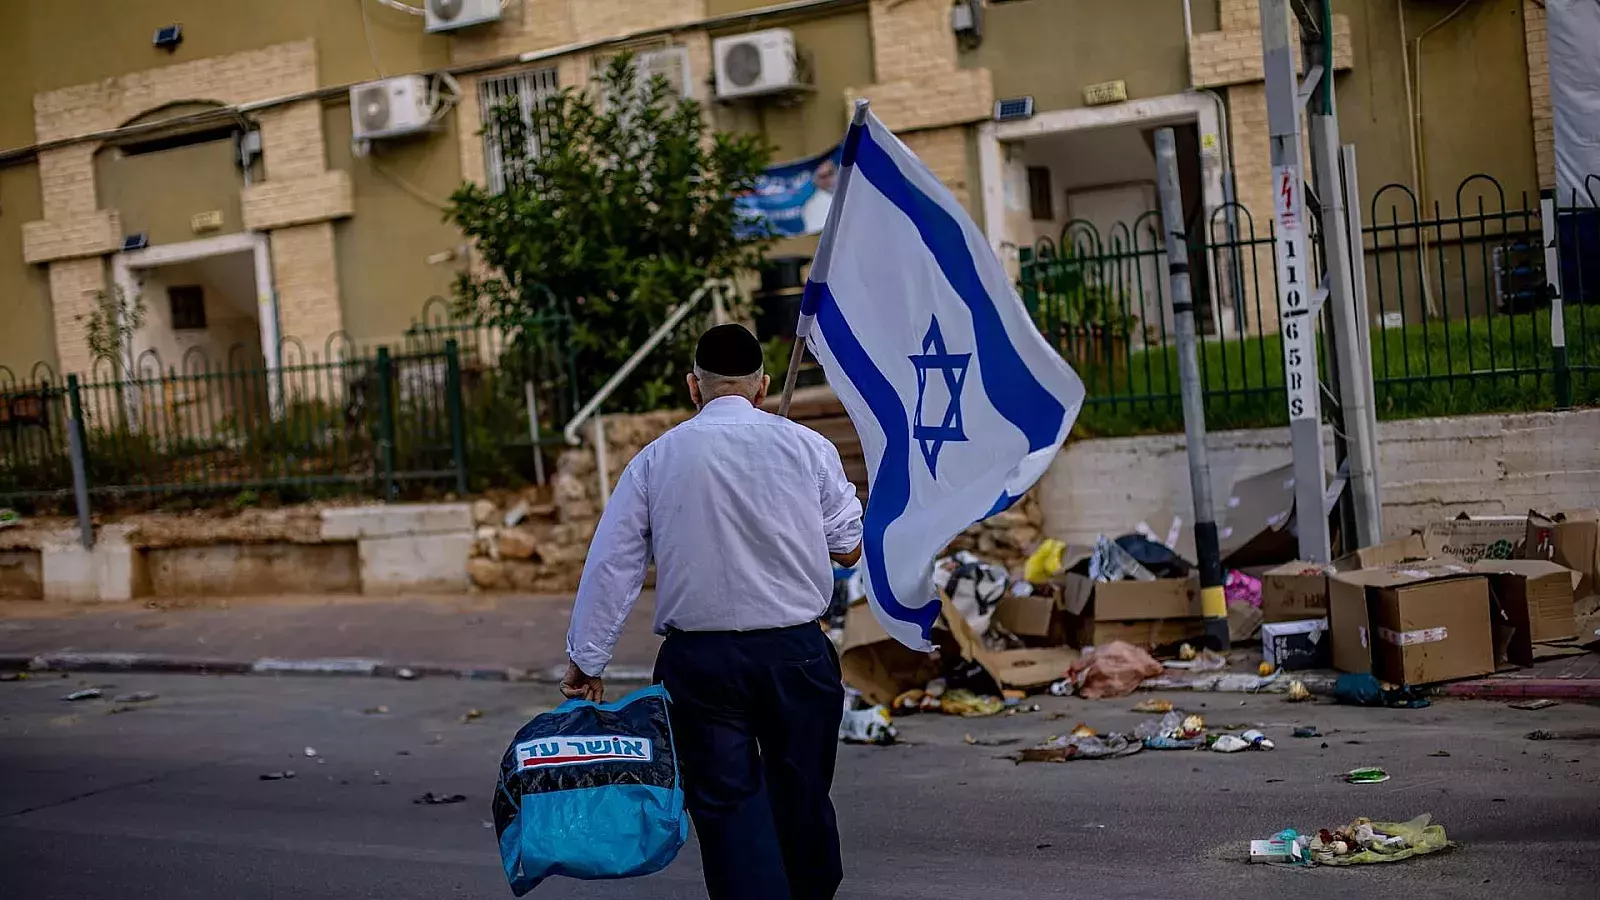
column 1525, row 689
column 341, row 666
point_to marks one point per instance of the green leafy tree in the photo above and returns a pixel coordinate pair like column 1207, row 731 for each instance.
column 618, row 204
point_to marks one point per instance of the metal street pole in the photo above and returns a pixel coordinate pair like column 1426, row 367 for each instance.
column 1296, row 310
column 1355, row 402
column 1213, row 603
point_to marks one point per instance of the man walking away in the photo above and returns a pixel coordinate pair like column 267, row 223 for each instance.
column 741, row 511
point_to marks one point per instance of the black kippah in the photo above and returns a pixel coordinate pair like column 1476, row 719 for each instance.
column 729, row 350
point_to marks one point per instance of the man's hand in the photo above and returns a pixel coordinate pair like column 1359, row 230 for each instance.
column 577, row 685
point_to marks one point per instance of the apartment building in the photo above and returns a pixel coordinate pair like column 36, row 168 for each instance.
column 230, row 163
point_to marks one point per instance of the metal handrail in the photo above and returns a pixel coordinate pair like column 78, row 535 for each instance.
column 723, row 286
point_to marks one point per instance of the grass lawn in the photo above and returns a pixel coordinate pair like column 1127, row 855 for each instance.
column 1499, row 363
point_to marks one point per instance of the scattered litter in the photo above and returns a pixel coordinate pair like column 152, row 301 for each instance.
column 1365, row 841
column 1062, row 688
column 285, row 775
column 1534, row 704
column 1440, row 753
column 1307, row 731
column 1173, row 731
column 1257, row 740
column 1266, row 669
column 1083, row 730
column 125, row 708
column 406, row 674
column 1286, row 847
column 1229, row 743
column 311, row 752
column 1542, row 735
column 9, row 517
column 432, row 799
column 1110, row 562
column 486, row 823
column 1298, row 692
column 85, row 694
column 472, row 715
column 1187, row 652
column 1204, row 661
column 1070, row 747
column 991, row 742
column 1113, row 670
column 1153, row 705
column 136, row 697
column 1366, row 775
column 376, row 710
column 962, row 702
column 13, row 676
column 1240, row 589
column 867, row 726
column 1365, row 690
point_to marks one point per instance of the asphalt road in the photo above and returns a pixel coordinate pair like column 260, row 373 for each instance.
column 165, row 801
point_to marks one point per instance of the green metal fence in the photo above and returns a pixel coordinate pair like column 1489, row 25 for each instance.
column 1458, row 299
column 445, row 411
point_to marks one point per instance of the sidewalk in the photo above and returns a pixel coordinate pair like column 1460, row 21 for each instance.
column 485, row 636
column 491, row 636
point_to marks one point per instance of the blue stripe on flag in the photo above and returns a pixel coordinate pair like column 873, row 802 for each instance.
column 1009, row 384
column 891, row 484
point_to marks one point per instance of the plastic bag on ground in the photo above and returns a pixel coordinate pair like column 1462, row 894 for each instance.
column 1044, row 562
column 867, row 726
column 1113, row 670
column 1376, row 842
column 1072, row 746
column 1109, row 562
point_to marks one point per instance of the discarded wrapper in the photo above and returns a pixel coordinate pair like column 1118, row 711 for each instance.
column 1366, row 775
column 867, row 726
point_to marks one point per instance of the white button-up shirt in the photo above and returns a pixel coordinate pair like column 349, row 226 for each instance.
column 740, row 509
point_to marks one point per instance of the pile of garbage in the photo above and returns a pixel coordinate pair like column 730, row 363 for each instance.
column 1175, row 730
column 1362, row 841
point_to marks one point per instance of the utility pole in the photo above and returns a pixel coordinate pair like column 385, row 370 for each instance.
column 1213, row 602
column 1302, row 291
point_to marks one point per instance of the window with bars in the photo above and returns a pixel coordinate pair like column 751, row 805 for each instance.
column 523, row 89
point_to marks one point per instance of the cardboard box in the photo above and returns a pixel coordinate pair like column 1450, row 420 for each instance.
column 1570, row 538
column 1256, row 525
column 1026, row 616
column 1146, row 613
column 1471, row 538
column 1412, row 623
column 1388, row 553
column 1289, row 594
column 1297, row 645
column 1536, row 598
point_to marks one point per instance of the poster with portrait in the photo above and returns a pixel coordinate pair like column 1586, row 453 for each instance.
column 791, row 199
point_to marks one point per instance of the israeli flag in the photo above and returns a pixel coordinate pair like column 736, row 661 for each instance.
column 959, row 402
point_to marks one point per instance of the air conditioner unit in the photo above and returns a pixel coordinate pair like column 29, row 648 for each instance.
column 391, row 107
column 761, row 62
column 448, row 15
column 671, row 63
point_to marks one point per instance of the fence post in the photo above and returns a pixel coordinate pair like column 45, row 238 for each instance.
column 78, row 452
column 1552, row 281
column 386, row 422
column 1030, row 288
column 458, row 425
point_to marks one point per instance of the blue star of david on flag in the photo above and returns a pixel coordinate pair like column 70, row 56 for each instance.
column 935, row 357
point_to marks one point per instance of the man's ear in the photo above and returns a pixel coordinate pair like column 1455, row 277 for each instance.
column 694, row 389
column 761, row 395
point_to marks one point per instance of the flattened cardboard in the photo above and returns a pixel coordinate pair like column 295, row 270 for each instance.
column 1387, row 553
column 1287, row 595
column 882, row 668
column 1256, row 524
column 1152, row 633
column 1536, row 597
column 1477, row 537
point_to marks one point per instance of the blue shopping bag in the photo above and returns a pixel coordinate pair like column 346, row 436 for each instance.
column 591, row 791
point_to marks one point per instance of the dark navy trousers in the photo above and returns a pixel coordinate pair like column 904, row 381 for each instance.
column 755, row 719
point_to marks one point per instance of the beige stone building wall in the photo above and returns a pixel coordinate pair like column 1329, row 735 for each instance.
column 1537, row 35
column 294, row 205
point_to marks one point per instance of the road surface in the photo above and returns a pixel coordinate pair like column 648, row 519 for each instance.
column 165, row 800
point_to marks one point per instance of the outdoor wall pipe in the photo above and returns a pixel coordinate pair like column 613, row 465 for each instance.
column 750, row 16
